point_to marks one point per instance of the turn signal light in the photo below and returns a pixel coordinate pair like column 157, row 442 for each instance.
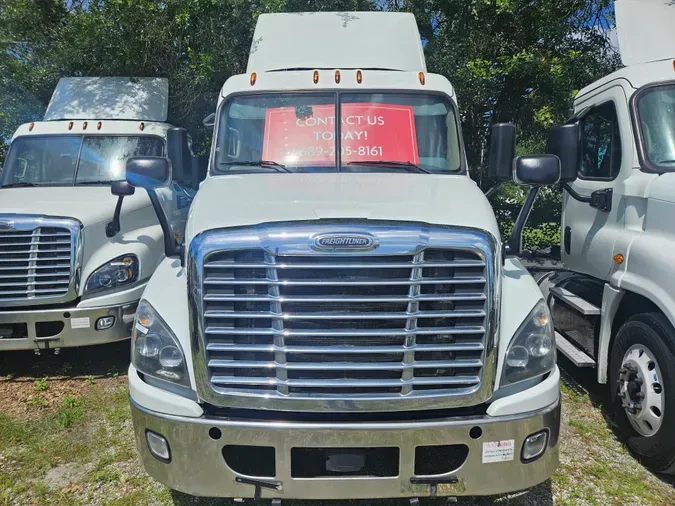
column 359, row 76
column 254, row 76
column 618, row 258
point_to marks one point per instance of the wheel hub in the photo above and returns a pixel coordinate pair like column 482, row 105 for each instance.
column 641, row 390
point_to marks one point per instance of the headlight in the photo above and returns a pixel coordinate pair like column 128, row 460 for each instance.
column 532, row 351
column 118, row 272
column 155, row 351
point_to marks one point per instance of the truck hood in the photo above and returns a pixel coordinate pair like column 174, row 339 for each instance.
column 88, row 204
column 252, row 199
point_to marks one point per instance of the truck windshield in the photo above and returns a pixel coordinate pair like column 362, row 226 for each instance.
column 656, row 110
column 378, row 132
column 67, row 160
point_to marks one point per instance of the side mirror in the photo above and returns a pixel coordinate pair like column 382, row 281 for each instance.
column 564, row 143
column 536, row 170
column 502, row 151
column 178, row 151
column 149, row 172
column 121, row 189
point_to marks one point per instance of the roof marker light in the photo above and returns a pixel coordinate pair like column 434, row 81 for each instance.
column 99, row 125
column 316, row 77
column 254, row 76
column 422, row 78
column 70, row 125
column 618, row 258
column 359, row 76
column 31, row 126
column 142, row 126
column 84, row 125
column 337, row 77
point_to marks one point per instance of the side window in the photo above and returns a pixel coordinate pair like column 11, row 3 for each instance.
column 600, row 143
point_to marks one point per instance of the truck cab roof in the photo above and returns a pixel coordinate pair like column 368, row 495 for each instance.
column 336, row 40
column 109, row 98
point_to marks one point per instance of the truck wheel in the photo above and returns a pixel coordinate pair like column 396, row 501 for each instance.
column 642, row 382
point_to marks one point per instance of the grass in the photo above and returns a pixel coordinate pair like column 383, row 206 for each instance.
column 88, row 438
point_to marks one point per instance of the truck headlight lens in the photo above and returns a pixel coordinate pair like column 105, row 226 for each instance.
column 532, row 350
column 118, row 272
column 155, row 351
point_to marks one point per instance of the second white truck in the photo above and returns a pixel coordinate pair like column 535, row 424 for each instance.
column 74, row 259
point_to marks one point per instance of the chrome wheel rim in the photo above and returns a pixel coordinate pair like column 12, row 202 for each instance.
column 641, row 390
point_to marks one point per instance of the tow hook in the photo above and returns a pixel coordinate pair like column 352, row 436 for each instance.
column 434, row 482
column 259, row 485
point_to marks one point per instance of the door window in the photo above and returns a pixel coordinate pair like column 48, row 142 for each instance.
column 600, row 143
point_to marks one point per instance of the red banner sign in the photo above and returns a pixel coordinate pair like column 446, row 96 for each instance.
column 370, row 132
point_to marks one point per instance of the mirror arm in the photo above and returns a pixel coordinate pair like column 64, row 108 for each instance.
column 493, row 189
column 514, row 244
column 113, row 228
column 171, row 248
column 576, row 196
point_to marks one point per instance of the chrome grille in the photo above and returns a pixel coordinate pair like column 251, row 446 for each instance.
column 363, row 326
column 36, row 260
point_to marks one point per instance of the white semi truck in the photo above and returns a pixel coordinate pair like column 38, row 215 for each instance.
column 343, row 319
column 614, row 305
column 74, row 259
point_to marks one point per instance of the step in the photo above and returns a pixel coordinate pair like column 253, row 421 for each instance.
column 581, row 305
column 577, row 357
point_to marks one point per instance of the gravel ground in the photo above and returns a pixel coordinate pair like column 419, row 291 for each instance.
column 66, row 439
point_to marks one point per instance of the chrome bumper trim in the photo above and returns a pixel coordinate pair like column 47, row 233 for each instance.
column 74, row 332
column 197, row 465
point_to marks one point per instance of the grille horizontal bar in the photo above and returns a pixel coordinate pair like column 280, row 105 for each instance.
column 351, row 383
column 327, row 350
column 345, row 282
column 344, row 366
column 345, row 298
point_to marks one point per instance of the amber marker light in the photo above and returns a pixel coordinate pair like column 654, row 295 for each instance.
column 70, row 125
column 315, row 78
column 422, row 78
column 254, row 76
column 84, row 125
column 142, row 126
column 337, row 77
column 618, row 258
column 31, row 126
column 359, row 76
column 99, row 125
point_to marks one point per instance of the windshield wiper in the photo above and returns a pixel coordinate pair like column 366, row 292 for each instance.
column 265, row 164
column 411, row 167
column 23, row 184
column 93, row 182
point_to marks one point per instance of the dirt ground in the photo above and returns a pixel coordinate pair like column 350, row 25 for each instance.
column 66, row 439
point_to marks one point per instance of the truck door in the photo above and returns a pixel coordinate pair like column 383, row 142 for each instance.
column 589, row 229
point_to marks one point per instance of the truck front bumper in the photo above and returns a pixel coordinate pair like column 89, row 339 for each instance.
column 197, row 447
column 39, row 329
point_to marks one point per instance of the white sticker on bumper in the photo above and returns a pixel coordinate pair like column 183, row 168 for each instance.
column 80, row 323
column 498, row 451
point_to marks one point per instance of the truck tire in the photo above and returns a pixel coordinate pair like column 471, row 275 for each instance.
column 642, row 388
